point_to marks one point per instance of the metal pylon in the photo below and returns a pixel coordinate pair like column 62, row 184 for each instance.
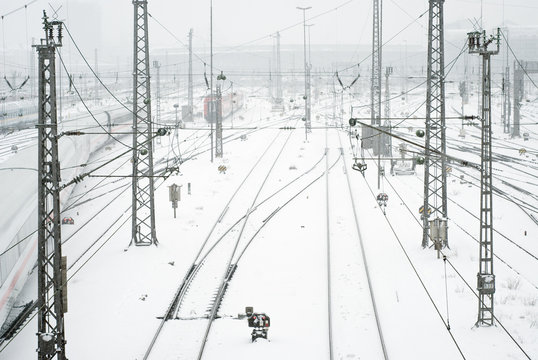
column 387, row 142
column 190, row 86
column 278, row 75
column 435, row 192
column 518, row 96
column 478, row 44
column 143, row 209
column 218, row 128
column 52, row 301
column 506, row 105
column 372, row 137
column 157, row 66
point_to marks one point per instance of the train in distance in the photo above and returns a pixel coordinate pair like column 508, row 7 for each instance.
column 229, row 102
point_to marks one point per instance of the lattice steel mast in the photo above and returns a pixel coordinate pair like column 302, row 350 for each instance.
column 218, row 129
column 478, row 44
column 190, row 89
column 372, row 137
column 52, row 296
column 308, row 125
column 278, row 98
column 157, row 66
column 387, row 142
column 435, row 192
column 143, row 209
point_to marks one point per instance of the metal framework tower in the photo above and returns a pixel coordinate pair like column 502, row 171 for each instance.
column 190, row 85
column 372, row 137
column 218, row 127
column 143, row 209
column 387, row 150
column 478, row 44
column 278, row 103
column 520, row 69
column 506, row 105
column 52, row 292
column 306, row 96
column 157, row 66
column 435, row 192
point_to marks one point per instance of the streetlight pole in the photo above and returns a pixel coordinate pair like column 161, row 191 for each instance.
column 306, row 124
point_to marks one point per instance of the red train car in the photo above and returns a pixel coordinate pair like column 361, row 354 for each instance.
column 235, row 99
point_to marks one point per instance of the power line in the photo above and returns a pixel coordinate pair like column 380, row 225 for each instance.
column 87, row 108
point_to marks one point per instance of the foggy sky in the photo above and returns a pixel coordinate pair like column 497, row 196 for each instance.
column 107, row 25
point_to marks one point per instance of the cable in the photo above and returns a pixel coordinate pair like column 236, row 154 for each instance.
column 419, row 277
column 386, row 42
column 453, row 267
column 88, row 109
column 517, row 60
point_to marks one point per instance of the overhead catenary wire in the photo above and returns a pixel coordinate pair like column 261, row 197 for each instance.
column 88, row 109
column 419, row 278
column 452, row 266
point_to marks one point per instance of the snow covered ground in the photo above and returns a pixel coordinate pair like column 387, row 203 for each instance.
column 117, row 292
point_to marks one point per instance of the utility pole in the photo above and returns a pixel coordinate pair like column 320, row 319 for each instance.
column 334, row 102
column 218, row 133
column 387, row 151
column 32, row 72
column 307, row 125
column 190, row 86
column 309, row 77
column 506, row 106
column 143, row 208
column 233, row 102
column 478, row 44
column 52, row 277
column 157, row 66
column 278, row 101
column 212, row 101
column 96, row 83
column 521, row 68
column 435, row 192
column 371, row 137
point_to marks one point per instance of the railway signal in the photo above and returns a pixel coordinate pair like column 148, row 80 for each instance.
column 174, row 195
column 260, row 323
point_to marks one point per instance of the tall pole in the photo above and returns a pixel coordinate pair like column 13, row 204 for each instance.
column 143, row 208
column 233, row 102
column 211, row 102
column 435, row 192
column 190, row 89
column 518, row 96
column 218, row 131
column 52, row 291
column 157, row 66
column 307, row 125
column 309, row 94
column 279, row 96
column 478, row 44
column 371, row 137
column 387, row 151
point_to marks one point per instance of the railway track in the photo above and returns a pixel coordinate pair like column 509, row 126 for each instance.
column 380, row 338
column 175, row 311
